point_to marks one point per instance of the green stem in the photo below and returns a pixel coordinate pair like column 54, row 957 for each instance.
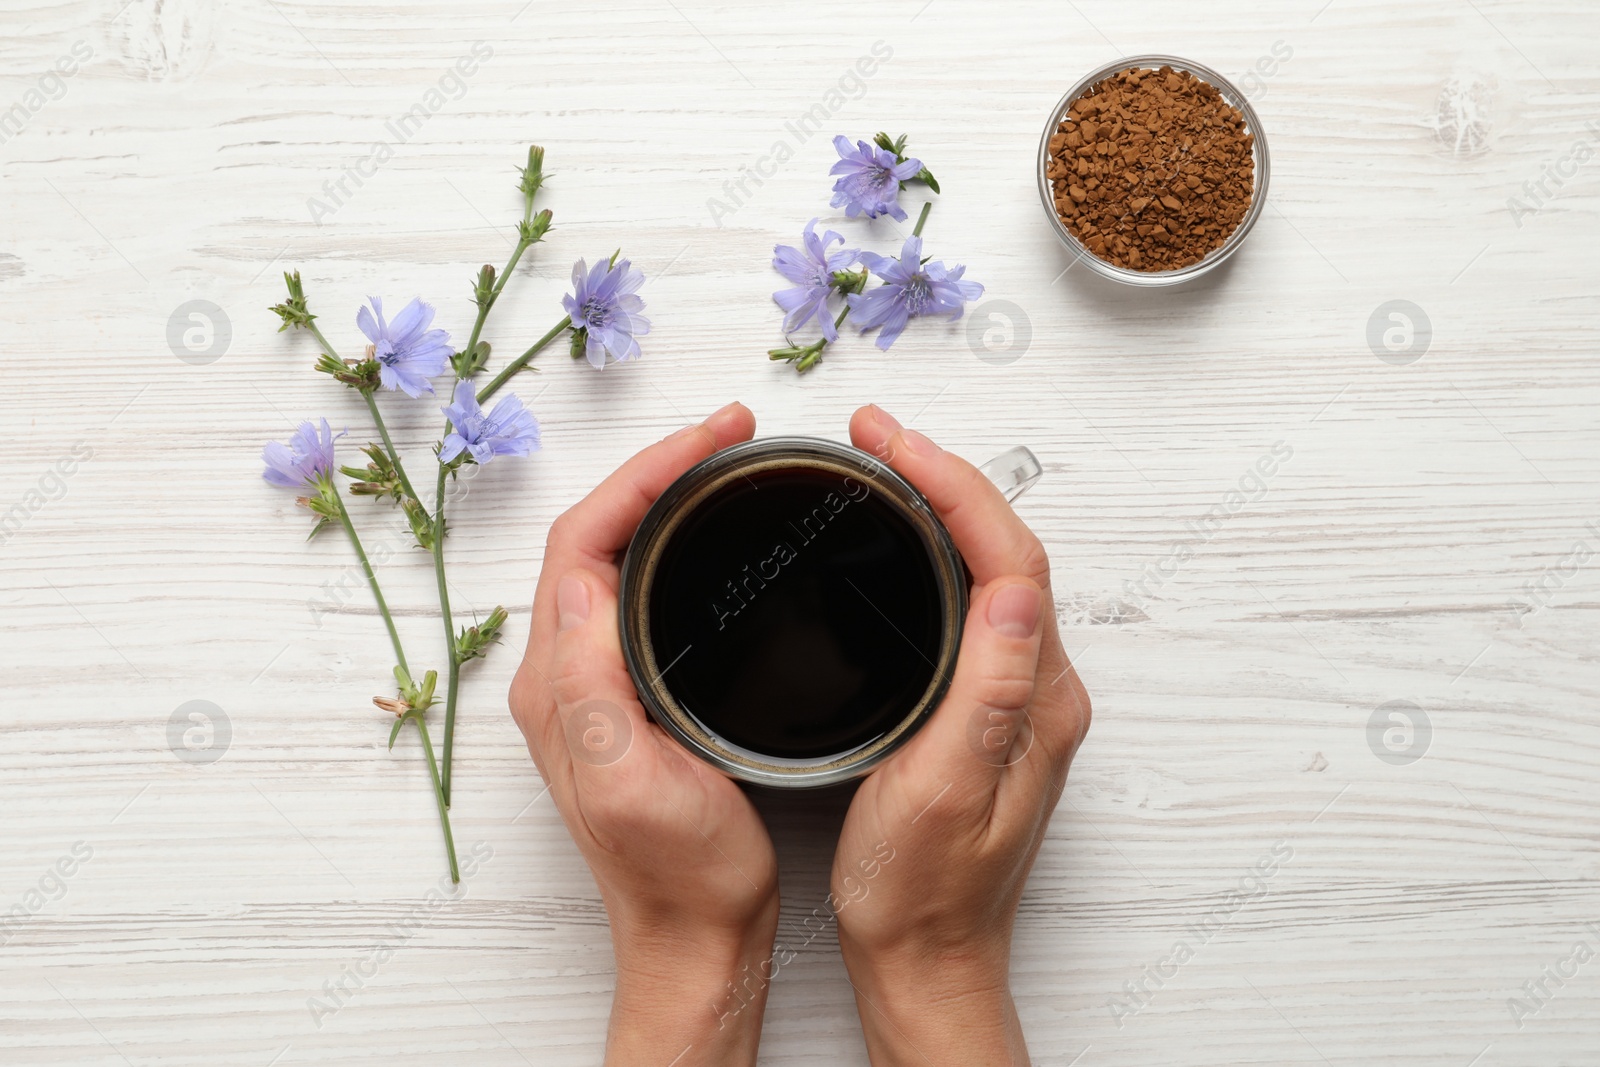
column 453, row 681
column 321, row 340
column 372, row 580
column 500, row 283
column 388, row 443
column 438, row 794
column 927, row 207
column 449, row 631
column 813, row 352
column 522, row 361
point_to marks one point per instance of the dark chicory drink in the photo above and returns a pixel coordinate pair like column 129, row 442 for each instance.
column 791, row 611
column 799, row 611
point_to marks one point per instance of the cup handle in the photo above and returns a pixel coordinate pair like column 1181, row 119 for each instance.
column 1014, row 471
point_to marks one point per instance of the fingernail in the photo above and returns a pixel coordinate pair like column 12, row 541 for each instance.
column 713, row 427
column 1014, row 611
column 917, row 444
column 883, row 418
column 572, row 603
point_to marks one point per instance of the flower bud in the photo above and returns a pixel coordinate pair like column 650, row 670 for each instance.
column 473, row 642
column 483, row 287
column 534, row 229
column 362, row 374
column 850, row 281
column 293, row 311
column 533, row 173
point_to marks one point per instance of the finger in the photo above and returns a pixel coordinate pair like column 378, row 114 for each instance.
column 600, row 525
column 992, row 539
column 597, row 718
column 981, row 727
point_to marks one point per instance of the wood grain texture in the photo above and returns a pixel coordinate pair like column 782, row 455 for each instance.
column 1232, row 696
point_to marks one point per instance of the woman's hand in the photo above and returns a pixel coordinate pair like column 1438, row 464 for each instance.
column 938, row 843
column 682, row 859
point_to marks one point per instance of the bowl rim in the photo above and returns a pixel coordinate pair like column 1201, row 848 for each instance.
column 1259, row 150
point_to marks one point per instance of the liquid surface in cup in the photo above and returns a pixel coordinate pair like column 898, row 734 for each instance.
column 796, row 613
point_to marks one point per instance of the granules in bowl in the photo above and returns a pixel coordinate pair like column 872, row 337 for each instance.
column 1151, row 169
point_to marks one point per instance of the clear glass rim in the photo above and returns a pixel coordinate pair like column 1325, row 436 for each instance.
column 1263, row 172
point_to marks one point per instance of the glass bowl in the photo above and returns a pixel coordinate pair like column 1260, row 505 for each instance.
column 1258, row 196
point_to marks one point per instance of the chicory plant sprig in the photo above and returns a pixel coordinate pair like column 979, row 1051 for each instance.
column 404, row 354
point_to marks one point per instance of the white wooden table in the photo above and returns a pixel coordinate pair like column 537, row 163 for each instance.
column 1380, row 563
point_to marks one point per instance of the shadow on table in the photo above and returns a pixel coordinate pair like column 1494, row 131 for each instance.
column 804, row 825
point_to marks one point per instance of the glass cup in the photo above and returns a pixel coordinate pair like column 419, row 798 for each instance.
column 651, row 551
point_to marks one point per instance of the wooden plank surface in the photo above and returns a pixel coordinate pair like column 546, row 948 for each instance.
column 1381, row 562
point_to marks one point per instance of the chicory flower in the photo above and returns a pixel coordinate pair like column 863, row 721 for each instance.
column 605, row 307
column 910, row 288
column 507, row 430
column 305, row 461
column 869, row 179
column 408, row 353
column 811, row 268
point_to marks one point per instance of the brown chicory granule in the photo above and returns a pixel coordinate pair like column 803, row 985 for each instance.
column 1152, row 169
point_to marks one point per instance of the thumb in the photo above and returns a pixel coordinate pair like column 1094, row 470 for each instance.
column 598, row 708
column 981, row 727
